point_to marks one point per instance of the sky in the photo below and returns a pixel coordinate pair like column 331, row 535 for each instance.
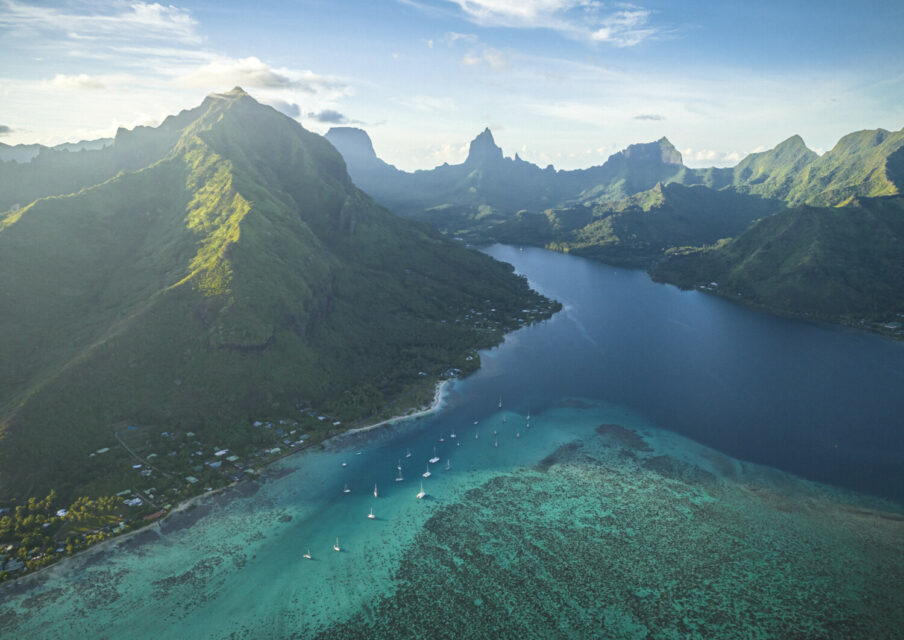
column 562, row 82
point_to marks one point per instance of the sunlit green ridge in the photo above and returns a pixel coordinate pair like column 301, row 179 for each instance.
column 235, row 276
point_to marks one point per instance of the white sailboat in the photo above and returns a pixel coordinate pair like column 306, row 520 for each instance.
column 375, row 491
column 371, row 515
column 346, row 490
column 495, row 443
column 307, row 556
column 336, row 546
column 441, row 438
column 399, row 465
column 452, row 435
column 421, row 493
column 500, row 401
column 408, row 453
column 399, row 477
column 426, row 474
column 435, row 457
column 448, row 463
column 476, row 435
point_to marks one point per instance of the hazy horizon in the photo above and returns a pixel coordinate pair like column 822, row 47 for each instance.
column 562, row 82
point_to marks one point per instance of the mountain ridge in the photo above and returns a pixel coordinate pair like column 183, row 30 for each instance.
column 238, row 275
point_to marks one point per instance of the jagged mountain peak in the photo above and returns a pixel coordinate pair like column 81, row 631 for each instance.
column 483, row 148
column 794, row 142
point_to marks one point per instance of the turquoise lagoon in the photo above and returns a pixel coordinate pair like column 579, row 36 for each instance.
column 664, row 488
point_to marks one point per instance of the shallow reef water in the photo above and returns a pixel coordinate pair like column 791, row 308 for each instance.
column 588, row 523
column 600, row 484
column 612, row 538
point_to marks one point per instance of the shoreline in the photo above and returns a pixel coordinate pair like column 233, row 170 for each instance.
column 35, row 578
column 439, row 394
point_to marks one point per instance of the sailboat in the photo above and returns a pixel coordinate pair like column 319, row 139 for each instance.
column 336, row 546
column 518, row 434
column 399, row 477
column 346, row 490
column 371, row 515
column 452, row 435
column 500, row 401
column 475, row 435
column 427, row 473
column 408, row 453
column 448, row 463
column 307, row 556
column 399, row 465
column 435, row 457
column 441, row 438
column 495, row 443
column 375, row 491
column 421, row 493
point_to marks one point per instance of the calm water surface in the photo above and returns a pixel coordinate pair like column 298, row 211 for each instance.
column 818, row 401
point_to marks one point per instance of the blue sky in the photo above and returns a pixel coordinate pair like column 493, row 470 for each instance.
column 566, row 82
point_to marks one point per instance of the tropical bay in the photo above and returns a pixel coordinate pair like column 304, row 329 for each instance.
column 647, row 459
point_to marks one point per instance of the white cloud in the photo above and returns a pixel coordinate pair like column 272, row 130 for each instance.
column 452, row 37
column 592, row 20
column 489, row 56
column 624, row 28
column 512, row 12
column 253, row 73
column 711, row 157
column 81, row 81
column 111, row 20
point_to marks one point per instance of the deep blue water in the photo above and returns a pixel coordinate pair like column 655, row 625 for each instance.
column 820, row 401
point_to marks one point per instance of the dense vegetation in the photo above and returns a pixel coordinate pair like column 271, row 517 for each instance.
column 844, row 264
column 238, row 276
column 637, row 230
column 643, row 205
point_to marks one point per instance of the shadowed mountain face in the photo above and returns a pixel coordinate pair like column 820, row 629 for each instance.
column 235, row 271
column 643, row 203
column 489, row 187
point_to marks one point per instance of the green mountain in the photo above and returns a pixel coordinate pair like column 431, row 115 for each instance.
column 637, row 231
column 643, row 203
column 488, row 188
column 844, row 264
column 862, row 164
column 773, row 173
column 236, row 274
column 637, row 168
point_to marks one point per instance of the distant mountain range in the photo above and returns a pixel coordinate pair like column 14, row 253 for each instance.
column 644, row 207
column 28, row 152
column 215, row 269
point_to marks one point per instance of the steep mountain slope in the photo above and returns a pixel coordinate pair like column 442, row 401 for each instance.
column 488, row 187
column 60, row 171
column 773, row 173
column 637, row 168
column 239, row 274
column 844, row 264
column 857, row 166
